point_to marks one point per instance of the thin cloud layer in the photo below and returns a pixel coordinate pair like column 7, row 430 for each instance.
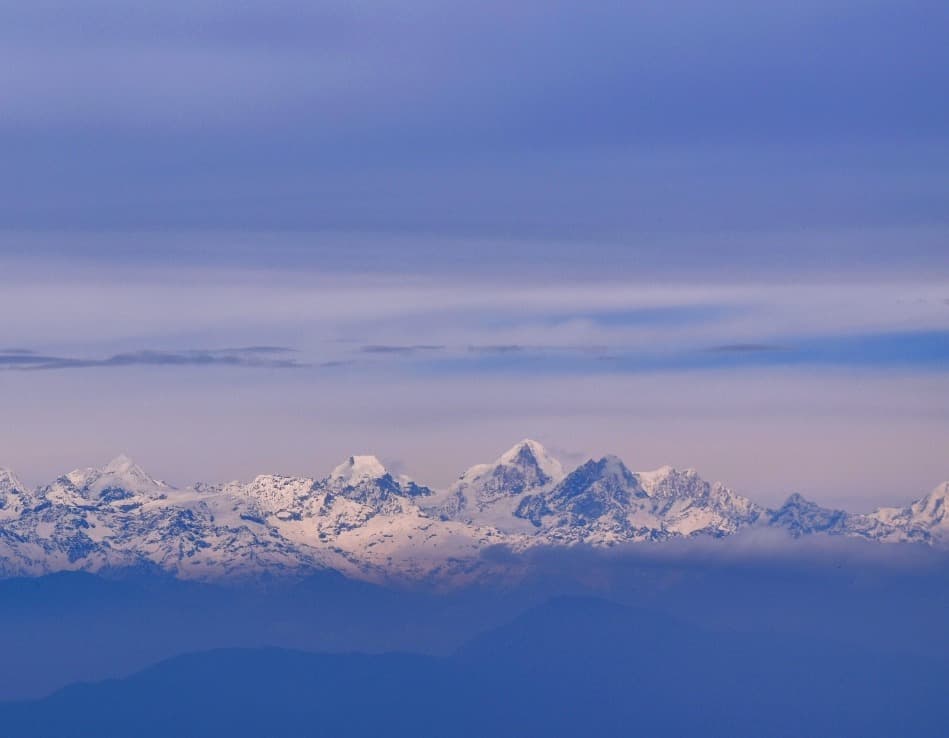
column 388, row 349
column 260, row 357
column 742, row 348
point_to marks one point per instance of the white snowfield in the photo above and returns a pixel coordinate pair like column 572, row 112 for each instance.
column 364, row 522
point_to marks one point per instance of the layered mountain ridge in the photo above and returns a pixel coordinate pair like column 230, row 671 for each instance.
column 365, row 522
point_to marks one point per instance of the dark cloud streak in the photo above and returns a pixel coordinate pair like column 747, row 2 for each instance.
column 745, row 348
column 393, row 349
column 497, row 349
column 517, row 348
column 259, row 357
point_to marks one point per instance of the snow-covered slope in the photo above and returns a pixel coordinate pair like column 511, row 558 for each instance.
column 365, row 522
column 369, row 522
column 118, row 516
column 365, row 480
column 13, row 495
column 490, row 493
column 600, row 501
column 604, row 502
column 691, row 506
column 802, row 517
column 927, row 516
column 120, row 479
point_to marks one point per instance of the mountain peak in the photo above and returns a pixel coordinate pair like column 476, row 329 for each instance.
column 800, row 516
column 493, row 488
column 121, row 464
column 670, row 483
column 598, row 492
column 611, row 465
column 798, row 503
column 933, row 509
column 9, row 480
column 531, row 453
column 526, row 446
column 663, row 471
column 119, row 474
column 12, row 494
column 796, row 499
column 359, row 468
column 608, row 470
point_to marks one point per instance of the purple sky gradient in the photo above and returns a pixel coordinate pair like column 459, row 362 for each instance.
column 713, row 235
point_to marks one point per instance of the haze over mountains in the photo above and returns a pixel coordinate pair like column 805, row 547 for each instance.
column 365, row 522
column 571, row 666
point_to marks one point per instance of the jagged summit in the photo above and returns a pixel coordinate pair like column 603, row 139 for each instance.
column 796, row 499
column 667, row 482
column 657, row 480
column 929, row 513
column 120, row 478
column 530, row 453
column 606, row 479
column 491, row 491
column 656, row 474
column 359, row 468
column 607, row 474
column 122, row 464
column 800, row 516
column 365, row 480
column 12, row 494
column 592, row 490
column 934, row 507
column 9, row 481
column 613, row 466
column 526, row 464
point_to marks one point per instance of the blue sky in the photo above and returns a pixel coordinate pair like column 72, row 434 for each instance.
column 262, row 237
column 494, row 119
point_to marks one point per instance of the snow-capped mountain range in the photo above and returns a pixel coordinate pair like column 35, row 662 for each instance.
column 363, row 521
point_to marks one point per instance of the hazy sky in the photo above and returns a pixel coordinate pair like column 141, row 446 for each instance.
column 261, row 236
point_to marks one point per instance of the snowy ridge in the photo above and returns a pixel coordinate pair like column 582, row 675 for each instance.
column 928, row 516
column 491, row 493
column 12, row 492
column 364, row 522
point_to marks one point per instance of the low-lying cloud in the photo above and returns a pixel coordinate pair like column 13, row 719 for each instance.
column 751, row 549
